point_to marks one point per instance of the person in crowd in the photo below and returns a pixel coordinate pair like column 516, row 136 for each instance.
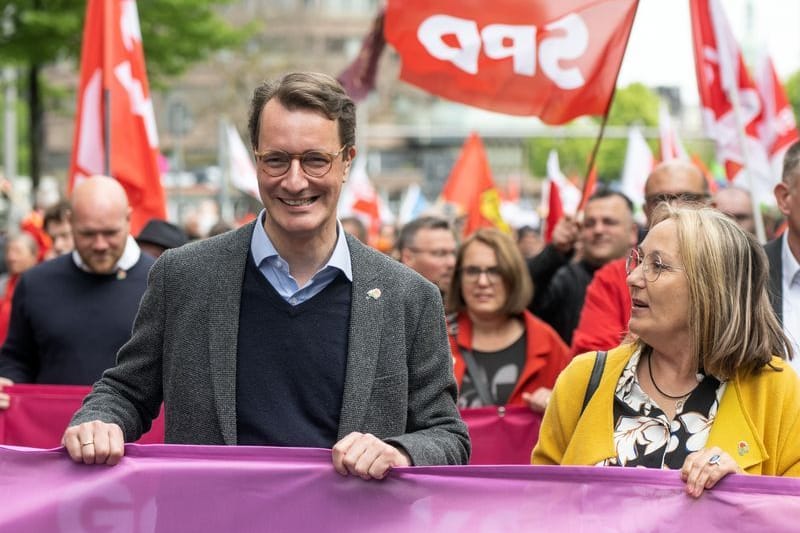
column 159, row 235
column 737, row 203
column 22, row 253
column 387, row 240
column 784, row 252
column 529, row 241
column 607, row 233
column 219, row 228
column 71, row 314
column 428, row 245
column 356, row 228
column 287, row 331
column 607, row 305
column 57, row 226
column 703, row 386
column 502, row 354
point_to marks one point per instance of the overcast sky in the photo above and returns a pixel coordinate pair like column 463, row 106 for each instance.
column 660, row 48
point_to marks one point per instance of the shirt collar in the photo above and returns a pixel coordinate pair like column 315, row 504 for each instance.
column 789, row 263
column 130, row 256
column 262, row 248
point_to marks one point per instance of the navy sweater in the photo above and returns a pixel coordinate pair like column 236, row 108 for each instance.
column 291, row 363
column 67, row 325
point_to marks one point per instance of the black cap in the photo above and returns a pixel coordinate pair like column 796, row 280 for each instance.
column 162, row 233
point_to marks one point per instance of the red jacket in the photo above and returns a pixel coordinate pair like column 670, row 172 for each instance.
column 606, row 310
column 546, row 355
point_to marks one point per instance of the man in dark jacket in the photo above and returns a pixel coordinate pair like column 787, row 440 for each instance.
column 607, row 232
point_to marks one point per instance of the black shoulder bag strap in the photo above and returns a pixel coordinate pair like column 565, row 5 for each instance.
column 594, row 379
column 478, row 377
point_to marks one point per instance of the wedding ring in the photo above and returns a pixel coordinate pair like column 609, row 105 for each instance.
column 714, row 460
column 87, row 444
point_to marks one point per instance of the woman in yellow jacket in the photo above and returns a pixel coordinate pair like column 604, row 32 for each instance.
column 702, row 386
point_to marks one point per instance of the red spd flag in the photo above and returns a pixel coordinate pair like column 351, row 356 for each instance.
column 554, row 60
column 721, row 77
column 777, row 128
column 112, row 59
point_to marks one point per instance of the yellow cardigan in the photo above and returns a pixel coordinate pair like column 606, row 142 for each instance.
column 757, row 421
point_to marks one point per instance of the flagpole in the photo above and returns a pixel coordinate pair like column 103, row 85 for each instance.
column 224, row 162
column 761, row 233
column 108, row 8
column 586, row 181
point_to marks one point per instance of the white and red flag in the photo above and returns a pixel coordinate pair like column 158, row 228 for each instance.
column 560, row 196
column 777, row 128
column 554, row 60
column 112, row 67
column 359, row 198
column 671, row 144
column 731, row 105
column 638, row 163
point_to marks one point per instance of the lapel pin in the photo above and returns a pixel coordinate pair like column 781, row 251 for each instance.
column 121, row 274
column 374, row 294
column 743, row 447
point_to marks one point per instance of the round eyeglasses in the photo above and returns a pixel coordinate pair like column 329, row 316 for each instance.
column 315, row 163
column 651, row 264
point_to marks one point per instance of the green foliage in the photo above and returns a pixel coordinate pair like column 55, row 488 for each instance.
column 793, row 92
column 632, row 105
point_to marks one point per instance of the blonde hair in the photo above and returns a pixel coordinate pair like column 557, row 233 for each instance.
column 732, row 324
column 511, row 265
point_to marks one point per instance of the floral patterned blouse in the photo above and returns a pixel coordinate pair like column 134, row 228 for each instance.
column 645, row 437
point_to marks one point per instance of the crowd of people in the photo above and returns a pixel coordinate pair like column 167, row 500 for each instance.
column 291, row 331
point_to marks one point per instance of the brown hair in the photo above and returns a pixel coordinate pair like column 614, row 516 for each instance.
column 512, row 269
column 311, row 91
column 732, row 325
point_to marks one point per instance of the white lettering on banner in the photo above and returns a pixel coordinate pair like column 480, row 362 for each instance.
column 430, row 34
column 571, row 45
column 520, row 49
column 502, row 41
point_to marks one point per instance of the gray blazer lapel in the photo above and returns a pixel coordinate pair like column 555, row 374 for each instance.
column 224, row 300
column 366, row 323
column 775, row 284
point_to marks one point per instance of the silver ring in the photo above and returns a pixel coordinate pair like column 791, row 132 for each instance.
column 714, row 460
column 87, row 444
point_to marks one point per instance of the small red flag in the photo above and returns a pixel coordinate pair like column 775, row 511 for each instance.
column 471, row 188
column 112, row 63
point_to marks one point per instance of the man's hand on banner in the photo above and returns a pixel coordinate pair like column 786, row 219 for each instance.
column 94, row 443
column 366, row 456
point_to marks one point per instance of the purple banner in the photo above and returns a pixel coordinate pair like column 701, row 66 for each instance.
column 193, row 488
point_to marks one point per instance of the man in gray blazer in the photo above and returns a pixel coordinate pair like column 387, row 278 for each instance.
column 784, row 253
column 286, row 331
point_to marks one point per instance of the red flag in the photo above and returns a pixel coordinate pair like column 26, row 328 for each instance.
column 554, row 60
column 721, row 78
column 555, row 210
column 471, row 188
column 777, row 128
column 112, row 62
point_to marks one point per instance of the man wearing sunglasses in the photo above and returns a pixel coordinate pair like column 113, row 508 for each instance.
column 607, row 306
column 287, row 332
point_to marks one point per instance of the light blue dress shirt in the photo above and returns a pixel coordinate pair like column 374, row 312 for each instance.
column 276, row 269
